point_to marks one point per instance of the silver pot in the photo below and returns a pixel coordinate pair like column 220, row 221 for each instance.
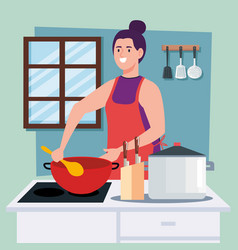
column 177, row 173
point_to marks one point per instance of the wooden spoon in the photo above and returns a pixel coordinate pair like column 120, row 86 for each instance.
column 74, row 168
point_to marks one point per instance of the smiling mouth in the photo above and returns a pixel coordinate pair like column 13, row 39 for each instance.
column 123, row 59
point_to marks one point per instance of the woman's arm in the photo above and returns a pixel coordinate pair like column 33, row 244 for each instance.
column 151, row 100
column 94, row 101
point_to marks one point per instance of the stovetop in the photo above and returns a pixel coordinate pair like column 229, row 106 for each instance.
column 52, row 192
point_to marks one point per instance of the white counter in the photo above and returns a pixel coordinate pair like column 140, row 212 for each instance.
column 119, row 221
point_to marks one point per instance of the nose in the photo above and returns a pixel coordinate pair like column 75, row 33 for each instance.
column 122, row 54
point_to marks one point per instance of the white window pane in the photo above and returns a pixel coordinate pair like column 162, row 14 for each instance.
column 43, row 52
column 88, row 118
column 79, row 82
column 43, row 112
column 80, row 52
column 44, row 82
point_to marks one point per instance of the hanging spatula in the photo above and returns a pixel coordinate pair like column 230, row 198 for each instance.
column 180, row 69
column 167, row 70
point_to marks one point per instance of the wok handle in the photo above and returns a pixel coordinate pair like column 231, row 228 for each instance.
column 117, row 165
column 45, row 164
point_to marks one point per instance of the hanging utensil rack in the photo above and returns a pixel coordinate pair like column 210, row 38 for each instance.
column 176, row 47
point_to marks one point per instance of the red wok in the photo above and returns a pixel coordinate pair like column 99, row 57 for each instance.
column 96, row 173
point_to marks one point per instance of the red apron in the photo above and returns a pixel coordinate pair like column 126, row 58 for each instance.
column 124, row 124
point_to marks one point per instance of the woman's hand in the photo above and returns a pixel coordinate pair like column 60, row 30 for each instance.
column 57, row 155
column 112, row 154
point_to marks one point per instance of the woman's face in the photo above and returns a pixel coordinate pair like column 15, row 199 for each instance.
column 125, row 54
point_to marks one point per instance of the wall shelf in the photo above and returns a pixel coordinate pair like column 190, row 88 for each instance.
column 176, row 47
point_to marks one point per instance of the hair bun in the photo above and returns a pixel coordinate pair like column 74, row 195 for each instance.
column 138, row 26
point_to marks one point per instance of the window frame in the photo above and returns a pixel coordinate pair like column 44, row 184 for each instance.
column 61, row 66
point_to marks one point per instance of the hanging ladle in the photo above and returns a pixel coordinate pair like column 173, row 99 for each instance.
column 74, row 168
column 194, row 71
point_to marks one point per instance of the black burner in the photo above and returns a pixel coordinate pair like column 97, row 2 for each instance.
column 52, row 192
column 48, row 192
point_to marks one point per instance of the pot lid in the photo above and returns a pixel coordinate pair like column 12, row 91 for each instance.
column 177, row 149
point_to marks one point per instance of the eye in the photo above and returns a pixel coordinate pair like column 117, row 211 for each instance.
column 118, row 50
column 129, row 50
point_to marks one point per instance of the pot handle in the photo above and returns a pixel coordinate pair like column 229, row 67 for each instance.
column 117, row 165
column 45, row 165
column 211, row 166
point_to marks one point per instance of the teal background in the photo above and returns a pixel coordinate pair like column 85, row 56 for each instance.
column 186, row 102
column 18, row 155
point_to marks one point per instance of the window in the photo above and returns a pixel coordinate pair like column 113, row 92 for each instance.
column 58, row 72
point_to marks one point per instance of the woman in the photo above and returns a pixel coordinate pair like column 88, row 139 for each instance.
column 133, row 104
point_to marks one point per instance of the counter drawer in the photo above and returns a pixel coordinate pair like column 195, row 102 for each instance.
column 155, row 224
column 66, row 227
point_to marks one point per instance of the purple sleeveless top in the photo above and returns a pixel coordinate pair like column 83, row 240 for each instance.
column 125, row 93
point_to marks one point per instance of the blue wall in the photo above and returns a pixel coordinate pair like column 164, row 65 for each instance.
column 186, row 102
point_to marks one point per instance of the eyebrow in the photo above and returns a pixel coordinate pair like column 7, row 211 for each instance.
column 118, row 46
column 128, row 46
